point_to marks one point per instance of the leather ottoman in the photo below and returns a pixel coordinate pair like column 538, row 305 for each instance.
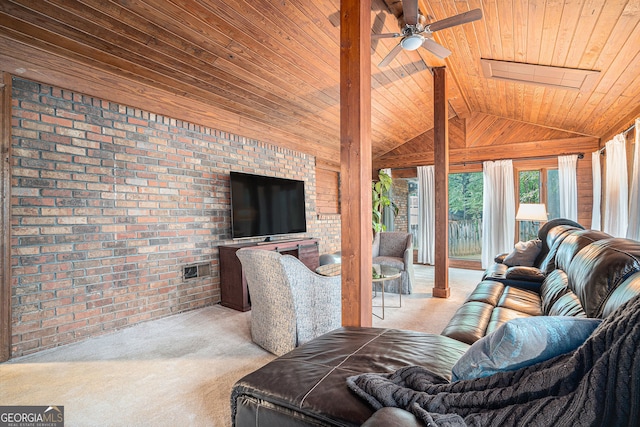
column 308, row 385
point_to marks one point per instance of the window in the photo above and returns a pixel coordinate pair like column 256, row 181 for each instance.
column 553, row 194
column 465, row 215
column 529, row 186
column 413, row 210
column 538, row 185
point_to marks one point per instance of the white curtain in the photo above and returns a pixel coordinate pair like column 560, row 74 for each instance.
column 633, row 231
column 426, row 215
column 568, row 186
column 498, row 210
column 596, row 220
column 616, row 195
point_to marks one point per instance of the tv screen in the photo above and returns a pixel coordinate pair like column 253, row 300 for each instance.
column 266, row 206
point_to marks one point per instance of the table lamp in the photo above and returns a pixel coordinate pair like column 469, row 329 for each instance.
column 532, row 212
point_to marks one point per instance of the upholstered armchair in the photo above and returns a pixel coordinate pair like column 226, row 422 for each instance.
column 395, row 249
column 290, row 304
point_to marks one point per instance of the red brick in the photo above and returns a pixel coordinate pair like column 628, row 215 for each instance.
column 71, row 326
column 139, row 209
column 58, row 121
column 87, row 313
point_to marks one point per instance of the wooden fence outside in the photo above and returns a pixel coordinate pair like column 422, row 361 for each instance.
column 465, row 238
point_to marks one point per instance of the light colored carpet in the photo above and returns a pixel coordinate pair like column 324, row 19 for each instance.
column 420, row 311
column 179, row 370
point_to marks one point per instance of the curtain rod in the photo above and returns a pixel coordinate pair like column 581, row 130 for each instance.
column 580, row 156
column 473, row 162
column 629, row 129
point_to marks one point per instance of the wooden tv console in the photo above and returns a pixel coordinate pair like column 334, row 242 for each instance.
column 233, row 285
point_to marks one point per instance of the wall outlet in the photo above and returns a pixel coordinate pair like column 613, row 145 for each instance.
column 196, row 270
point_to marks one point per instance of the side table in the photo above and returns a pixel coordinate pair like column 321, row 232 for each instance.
column 385, row 273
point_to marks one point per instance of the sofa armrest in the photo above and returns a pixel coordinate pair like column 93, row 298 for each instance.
column 519, row 272
column 499, row 259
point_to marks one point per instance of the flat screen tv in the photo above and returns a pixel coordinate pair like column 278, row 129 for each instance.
column 266, row 206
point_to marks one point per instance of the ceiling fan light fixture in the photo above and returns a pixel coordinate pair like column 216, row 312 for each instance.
column 412, row 42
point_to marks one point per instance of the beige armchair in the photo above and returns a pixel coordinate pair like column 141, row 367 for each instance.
column 395, row 249
column 290, row 304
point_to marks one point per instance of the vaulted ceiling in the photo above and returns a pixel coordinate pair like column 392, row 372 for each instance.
column 270, row 69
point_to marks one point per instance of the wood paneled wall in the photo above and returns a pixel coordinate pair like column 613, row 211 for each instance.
column 585, row 191
column 584, row 178
column 327, row 191
column 483, row 137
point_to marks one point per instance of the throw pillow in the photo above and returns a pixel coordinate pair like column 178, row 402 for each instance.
column 524, row 253
column 523, row 342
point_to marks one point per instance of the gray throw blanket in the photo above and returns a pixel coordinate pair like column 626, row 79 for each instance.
column 597, row 385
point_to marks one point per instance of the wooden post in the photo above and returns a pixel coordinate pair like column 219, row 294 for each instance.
column 355, row 160
column 5, row 217
column 441, row 162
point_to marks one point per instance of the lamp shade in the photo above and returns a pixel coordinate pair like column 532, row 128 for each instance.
column 532, row 212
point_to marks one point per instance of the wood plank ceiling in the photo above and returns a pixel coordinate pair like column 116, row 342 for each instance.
column 270, row 70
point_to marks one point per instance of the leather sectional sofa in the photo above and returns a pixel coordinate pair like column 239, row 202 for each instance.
column 582, row 283
column 593, row 274
column 550, row 235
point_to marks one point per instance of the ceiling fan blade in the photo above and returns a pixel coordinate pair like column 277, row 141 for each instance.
column 410, row 11
column 452, row 21
column 385, row 36
column 390, row 56
column 435, row 48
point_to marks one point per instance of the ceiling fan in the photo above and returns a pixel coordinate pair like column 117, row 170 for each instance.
column 415, row 32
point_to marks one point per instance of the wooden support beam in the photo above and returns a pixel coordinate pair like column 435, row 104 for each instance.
column 5, row 217
column 441, row 172
column 355, row 160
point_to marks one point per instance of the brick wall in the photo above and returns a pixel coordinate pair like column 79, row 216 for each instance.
column 110, row 202
column 401, row 199
column 327, row 229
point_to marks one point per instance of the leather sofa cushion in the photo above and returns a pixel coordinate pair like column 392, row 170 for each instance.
column 623, row 293
column 487, row 291
column 469, row 322
column 544, row 231
column 598, row 269
column 573, row 243
column 567, row 305
column 502, row 315
column 533, row 274
column 307, row 386
column 555, row 237
column 522, row 300
column 495, row 271
column 553, row 287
